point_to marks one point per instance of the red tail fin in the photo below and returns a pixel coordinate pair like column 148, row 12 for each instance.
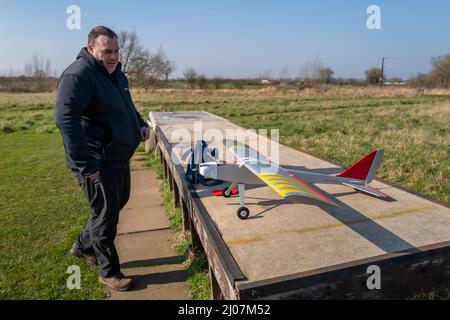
column 365, row 168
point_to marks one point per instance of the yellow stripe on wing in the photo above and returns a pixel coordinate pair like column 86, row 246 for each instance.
column 285, row 185
column 271, row 176
column 291, row 192
column 286, row 191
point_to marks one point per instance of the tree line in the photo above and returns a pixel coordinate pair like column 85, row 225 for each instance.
column 141, row 66
column 438, row 77
column 145, row 69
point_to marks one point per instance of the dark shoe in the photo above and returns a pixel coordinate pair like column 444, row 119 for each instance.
column 90, row 259
column 118, row 283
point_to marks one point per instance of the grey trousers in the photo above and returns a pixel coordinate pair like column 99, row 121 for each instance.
column 107, row 195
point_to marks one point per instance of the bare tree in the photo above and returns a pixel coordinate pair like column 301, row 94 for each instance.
column 311, row 69
column 129, row 49
column 38, row 67
column 139, row 64
column 157, row 64
column 28, row 69
column 162, row 67
column 139, row 67
column 202, row 81
column 136, row 60
column 168, row 68
column 374, row 75
column 284, row 73
column 314, row 72
column 267, row 75
column 325, row 74
column 190, row 75
column 440, row 75
column 217, row 81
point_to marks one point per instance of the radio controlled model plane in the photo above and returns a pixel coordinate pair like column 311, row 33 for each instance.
column 294, row 185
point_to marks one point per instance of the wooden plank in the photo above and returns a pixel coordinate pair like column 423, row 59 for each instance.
column 402, row 275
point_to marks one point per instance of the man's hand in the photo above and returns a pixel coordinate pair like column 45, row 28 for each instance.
column 93, row 175
column 145, row 133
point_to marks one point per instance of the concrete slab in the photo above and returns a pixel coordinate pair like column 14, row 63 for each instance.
column 144, row 197
column 166, row 282
column 283, row 238
column 151, row 261
column 143, row 212
column 142, row 218
column 146, row 248
column 145, row 244
column 143, row 180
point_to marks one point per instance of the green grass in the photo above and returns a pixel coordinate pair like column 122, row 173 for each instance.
column 441, row 293
column 198, row 280
column 26, row 112
column 42, row 210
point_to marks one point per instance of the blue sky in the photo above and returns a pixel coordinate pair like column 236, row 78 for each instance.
column 238, row 38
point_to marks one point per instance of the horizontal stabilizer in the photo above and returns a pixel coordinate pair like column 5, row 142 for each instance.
column 368, row 190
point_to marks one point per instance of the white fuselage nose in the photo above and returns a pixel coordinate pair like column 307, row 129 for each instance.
column 208, row 170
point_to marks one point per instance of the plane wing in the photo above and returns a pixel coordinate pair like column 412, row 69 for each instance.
column 282, row 181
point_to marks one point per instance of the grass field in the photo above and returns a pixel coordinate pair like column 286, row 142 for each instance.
column 42, row 208
column 41, row 212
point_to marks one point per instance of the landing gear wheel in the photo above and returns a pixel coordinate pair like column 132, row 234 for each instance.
column 243, row 213
column 226, row 193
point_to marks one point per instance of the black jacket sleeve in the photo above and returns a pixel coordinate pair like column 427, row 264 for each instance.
column 73, row 97
column 141, row 121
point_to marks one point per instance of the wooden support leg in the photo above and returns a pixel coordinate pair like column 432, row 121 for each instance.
column 159, row 153
column 196, row 243
column 150, row 144
column 170, row 179
column 165, row 168
column 176, row 195
column 186, row 220
column 216, row 292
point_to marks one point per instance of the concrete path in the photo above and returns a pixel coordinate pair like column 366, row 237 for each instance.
column 145, row 242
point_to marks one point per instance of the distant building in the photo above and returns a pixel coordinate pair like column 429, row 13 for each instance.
column 265, row 81
column 399, row 83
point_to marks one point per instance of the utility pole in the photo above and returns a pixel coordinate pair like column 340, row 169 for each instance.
column 382, row 71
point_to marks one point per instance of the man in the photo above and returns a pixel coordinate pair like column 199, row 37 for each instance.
column 101, row 129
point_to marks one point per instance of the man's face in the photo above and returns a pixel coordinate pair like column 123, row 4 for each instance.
column 106, row 50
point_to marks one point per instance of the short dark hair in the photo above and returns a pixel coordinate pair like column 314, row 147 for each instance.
column 100, row 31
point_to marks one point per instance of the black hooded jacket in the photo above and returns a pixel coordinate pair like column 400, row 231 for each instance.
column 95, row 114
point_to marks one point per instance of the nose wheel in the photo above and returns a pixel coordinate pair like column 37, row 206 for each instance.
column 243, row 213
column 226, row 192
